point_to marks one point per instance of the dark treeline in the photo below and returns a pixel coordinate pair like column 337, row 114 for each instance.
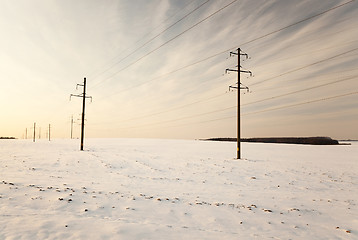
column 287, row 140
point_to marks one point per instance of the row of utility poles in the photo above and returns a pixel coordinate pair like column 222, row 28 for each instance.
column 239, row 86
column 48, row 133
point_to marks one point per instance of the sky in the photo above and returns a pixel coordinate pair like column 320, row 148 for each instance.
column 156, row 69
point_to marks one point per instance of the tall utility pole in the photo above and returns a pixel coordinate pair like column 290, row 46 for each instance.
column 83, row 96
column 34, row 131
column 239, row 53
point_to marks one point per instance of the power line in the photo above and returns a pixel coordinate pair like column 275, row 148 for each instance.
column 170, row 40
column 175, row 108
column 153, row 38
column 266, row 110
column 303, row 78
column 186, row 124
column 186, row 66
column 251, row 113
column 299, row 104
column 298, row 91
column 166, row 20
column 163, row 75
column 215, row 95
column 217, row 54
column 140, row 39
column 245, row 104
column 226, row 50
column 306, row 66
column 296, row 23
column 262, row 100
column 188, row 29
column 304, row 54
column 178, row 119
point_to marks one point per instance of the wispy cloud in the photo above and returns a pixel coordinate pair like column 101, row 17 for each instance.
column 48, row 47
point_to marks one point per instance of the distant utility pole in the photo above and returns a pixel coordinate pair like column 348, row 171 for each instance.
column 83, row 96
column 49, row 132
column 26, row 133
column 71, row 126
column 239, row 86
column 34, row 131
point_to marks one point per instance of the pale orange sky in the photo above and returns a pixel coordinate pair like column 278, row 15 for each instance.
column 156, row 68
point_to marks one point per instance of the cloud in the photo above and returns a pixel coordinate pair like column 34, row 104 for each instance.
column 48, row 47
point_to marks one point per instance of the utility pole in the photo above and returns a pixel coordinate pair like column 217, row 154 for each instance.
column 49, row 132
column 71, row 126
column 239, row 86
column 83, row 96
column 26, row 133
column 34, row 131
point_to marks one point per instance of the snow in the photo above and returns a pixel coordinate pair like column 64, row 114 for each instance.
column 176, row 189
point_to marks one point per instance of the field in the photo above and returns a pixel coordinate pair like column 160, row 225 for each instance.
column 177, row 189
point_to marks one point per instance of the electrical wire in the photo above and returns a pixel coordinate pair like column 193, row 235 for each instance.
column 271, row 109
column 250, row 103
column 267, row 110
column 300, row 68
column 304, row 54
column 153, row 38
column 303, row 78
column 174, row 108
column 178, row 119
column 139, row 40
column 168, row 41
column 296, row 23
column 302, row 90
column 163, row 75
column 226, row 50
column 262, row 100
column 299, row 104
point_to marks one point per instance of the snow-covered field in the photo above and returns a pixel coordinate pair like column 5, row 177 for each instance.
column 176, row 189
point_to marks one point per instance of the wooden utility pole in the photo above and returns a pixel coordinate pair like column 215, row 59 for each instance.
column 238, row 87
column 83, row 113
column 34, row 132
column 49, row 132
column 71, row 126
column 83, row 96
